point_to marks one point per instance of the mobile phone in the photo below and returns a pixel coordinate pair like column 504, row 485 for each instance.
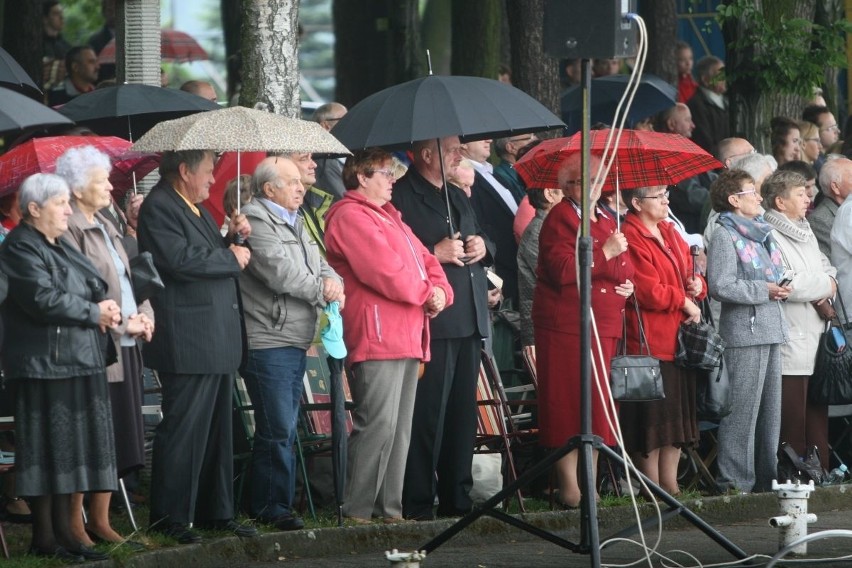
column 786, row 278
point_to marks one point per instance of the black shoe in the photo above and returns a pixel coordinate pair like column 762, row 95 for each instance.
column 57, row 553
column 286, row 522
column 179, row 532
column 131, row 545
column 239, row 529
column 89, row 554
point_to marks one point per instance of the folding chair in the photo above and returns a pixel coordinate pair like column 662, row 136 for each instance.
column 244, row 428
column 840, row 433
column 7, row 465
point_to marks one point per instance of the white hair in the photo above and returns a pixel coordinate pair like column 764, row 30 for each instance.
column 39, row 189
column 75, row 165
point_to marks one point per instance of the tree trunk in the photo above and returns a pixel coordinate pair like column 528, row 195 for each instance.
column 661, row 20
column 436, row 34
column 533, row 72
column 376, row 46
column 476, row 38
column 270, row 52
column 828, row 11
column 22, row 31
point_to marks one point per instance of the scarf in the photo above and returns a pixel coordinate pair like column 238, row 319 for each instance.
column 757, row 250
column 799, row 231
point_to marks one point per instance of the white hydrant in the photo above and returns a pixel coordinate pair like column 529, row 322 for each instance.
column 793, row 498
column 405, row 559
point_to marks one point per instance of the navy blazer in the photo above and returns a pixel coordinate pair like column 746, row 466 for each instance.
column 199, row 316
column 424, row 209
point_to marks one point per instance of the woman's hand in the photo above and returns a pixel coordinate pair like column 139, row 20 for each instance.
column 625, row 290
column 693, row 286
column 139, row 326
column 693, row 313
column 110, row 315
column 777, row 292
column 615, row 245
column 436, row 303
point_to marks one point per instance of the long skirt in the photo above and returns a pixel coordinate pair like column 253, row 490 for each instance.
column 128, row 424
column 64, row 436
column 671, row 421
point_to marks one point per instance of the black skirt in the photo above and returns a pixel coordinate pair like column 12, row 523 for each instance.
column 64, row 436
column 128, row 424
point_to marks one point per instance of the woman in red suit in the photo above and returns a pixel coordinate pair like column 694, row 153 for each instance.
column 666, row 292
column 556, row 318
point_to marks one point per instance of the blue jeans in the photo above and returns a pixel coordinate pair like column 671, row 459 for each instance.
column 274, row 382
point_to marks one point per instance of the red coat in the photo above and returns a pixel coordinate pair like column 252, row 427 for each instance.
column 387, row 274
column 556, row 303
column 660, row 286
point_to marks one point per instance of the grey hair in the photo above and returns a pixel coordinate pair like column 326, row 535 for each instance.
column 779, row 184
column 327, row 111
column 75, row 165
column 755, row 164
column 627, row 196
column 39, row 189
column 831, row 172
column 264, row 173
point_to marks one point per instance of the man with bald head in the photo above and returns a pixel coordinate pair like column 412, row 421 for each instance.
column 835, row 182
column 444, row 423
column 688, row 197
column 284, row 290
column 837, row 174
column 201, row 89
column 330, row 170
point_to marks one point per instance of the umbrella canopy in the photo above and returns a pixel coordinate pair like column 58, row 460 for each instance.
column 643, row 159
column 437, row 106
column 13, row 76
column 240, row 129
column 18, row 113
column 174, row 46
column 38, row 155
column 652, row 96
column 131, row 110
column 224, row 171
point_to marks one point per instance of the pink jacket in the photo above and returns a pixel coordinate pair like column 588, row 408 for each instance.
column 388, row 275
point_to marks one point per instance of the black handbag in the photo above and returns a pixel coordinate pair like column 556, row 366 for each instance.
column 831, row 382
column 146, row 279
column 801, row 469
column 635, row 378
column 713, row 394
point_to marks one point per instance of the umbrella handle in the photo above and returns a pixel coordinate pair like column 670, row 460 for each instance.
column 450, row 229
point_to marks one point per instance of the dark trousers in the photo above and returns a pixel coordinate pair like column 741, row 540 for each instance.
column 803, row 423
column 192, row 468
column 443, row 431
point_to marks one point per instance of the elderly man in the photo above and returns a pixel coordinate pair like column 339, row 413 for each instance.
column 201, row 89
column 196, row 350
column 835, row 181
column 316, row 202
column 444, row 424
column 330, row 170
column 829, row 132
column 708, row 105
column 81, row 75
column 507, row 150
column 285, row 287
column 688, row 197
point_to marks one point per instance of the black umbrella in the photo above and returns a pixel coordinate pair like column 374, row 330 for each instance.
column 19, row 113
column 132, row 109
column 13, row 76
column 652, row 96
column 339, row 440
column 436, row 106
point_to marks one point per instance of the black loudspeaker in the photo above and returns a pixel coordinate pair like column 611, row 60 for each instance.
column 589, row 29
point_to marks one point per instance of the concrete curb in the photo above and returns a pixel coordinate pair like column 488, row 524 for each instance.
column 332, row 542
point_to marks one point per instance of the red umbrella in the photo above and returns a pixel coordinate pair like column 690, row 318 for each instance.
column 174, row 46
column 643, row 159
column 224, row 172
column 38, row 155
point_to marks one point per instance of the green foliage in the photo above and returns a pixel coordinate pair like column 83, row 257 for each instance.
column 778, row 54
column 82, row 19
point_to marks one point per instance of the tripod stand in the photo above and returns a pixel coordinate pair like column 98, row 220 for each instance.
column 586, row 442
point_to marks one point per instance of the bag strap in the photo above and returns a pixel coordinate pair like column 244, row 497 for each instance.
column 644, row 349
column 845, row 322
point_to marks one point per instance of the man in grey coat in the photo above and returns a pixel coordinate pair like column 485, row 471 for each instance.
column 284, row 289
column 835, row 182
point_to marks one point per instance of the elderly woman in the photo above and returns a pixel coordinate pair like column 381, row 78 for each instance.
column 55, row 350
column 744, row 270
column 394, row 285
column 556, row 317
column 666, row 291
column 542, row 201
column 803, row 423
column 86, row 170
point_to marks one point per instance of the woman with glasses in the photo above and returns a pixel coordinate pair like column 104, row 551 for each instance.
column 745, row 272
column 394, row 285
column 666, row 292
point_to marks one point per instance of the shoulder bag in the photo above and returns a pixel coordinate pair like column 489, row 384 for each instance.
column 635, row 378
column 713, row 394
column 831, row 382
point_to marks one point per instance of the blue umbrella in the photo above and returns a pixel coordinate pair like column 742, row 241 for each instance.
column 654, row 95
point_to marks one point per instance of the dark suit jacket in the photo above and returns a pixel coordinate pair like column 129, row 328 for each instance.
column 496, row 220
column 712, row 124
column 424, row 210
column 199, row 323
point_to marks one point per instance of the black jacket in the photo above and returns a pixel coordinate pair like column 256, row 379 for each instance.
column 51, row 313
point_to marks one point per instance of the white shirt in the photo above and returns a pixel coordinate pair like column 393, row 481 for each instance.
column 486, row 169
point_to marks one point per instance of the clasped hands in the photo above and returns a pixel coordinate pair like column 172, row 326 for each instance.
column 436, row 302
column 240, row 228
column 460, row 252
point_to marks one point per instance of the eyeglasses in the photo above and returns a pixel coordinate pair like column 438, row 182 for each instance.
column 333, row 119
column 811, row 140
column 746, row 192
column 664, row 195
column 387, row 173
column 830, row 128
column 523, row 140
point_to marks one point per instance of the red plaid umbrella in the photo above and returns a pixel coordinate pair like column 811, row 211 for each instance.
column 174, row 46
column 643, row 159
column 38, row 155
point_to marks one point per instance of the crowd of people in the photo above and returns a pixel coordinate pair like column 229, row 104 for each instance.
column 367, row 237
